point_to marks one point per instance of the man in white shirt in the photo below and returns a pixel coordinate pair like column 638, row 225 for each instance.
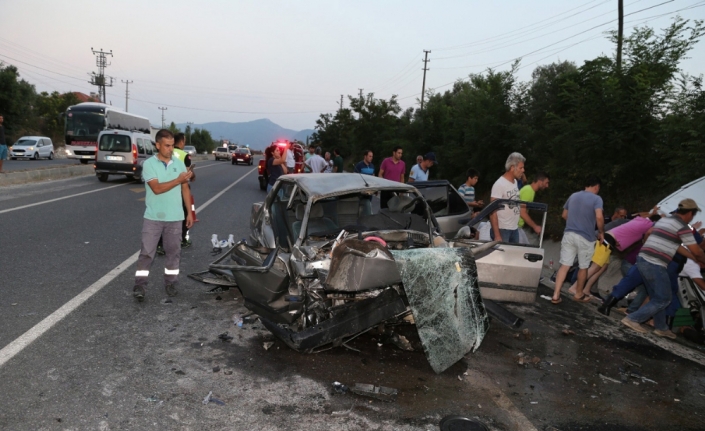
column 316, row 163
column 419, row 172
column 505, row 222
column 290, row 161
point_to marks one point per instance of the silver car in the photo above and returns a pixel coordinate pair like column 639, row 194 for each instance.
column 32, row 147
column 324, row 263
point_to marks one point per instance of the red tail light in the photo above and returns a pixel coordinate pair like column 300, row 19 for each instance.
column 134, row 154
column 259, row 169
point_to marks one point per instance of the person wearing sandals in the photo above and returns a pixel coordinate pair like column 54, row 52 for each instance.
column 582, row 212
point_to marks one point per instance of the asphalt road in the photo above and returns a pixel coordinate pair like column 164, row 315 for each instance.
column 114, row 364
column 25, row 164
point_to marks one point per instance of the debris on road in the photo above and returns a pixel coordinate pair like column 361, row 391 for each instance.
column 401, row 342
column 568, row 332
column 207, row 399
column 378, row 392
column 224, row 337
column 609, row 379
column 267, row 345
column 216, row 369
column 217, row 401
column 340, row 388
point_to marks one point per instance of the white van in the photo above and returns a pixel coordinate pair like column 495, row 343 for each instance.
column 122, row 153
column 32, row 147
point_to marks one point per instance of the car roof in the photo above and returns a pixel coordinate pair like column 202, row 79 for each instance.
column 34, row 137
column 431, row 183
column 325, row 185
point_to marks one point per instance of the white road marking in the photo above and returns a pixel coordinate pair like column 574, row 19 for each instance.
column 59, row 199
column 24, row 340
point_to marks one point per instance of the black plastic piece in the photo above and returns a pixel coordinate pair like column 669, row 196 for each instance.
column 502, row 314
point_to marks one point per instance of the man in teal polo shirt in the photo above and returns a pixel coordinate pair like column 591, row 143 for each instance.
column 166, row 181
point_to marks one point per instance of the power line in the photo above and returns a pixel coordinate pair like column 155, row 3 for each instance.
column 524, row 40
column 162, row 109
column 567, row 38
column 503, row 35
column 423, row 85
column 127, row 92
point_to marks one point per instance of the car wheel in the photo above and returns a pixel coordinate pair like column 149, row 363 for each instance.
column 138, row 178
column 262, row 183
column 234, row 162
column 51, row 156
column 102, row 177
column 35, row 156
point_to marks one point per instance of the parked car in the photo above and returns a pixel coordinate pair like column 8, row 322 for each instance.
column 122, row 153
column 241, row 155
column 32, row 147
column 190, row 149
column 323, row 263
column 298, row 150
column 222, row 153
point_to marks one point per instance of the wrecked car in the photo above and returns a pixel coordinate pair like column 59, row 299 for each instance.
column 324, row 263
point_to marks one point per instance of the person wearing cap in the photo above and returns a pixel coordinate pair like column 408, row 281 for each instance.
column 662, row 244
column 419, row 172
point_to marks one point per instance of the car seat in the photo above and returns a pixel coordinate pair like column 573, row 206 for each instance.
column 317, row 223
column 398, row 202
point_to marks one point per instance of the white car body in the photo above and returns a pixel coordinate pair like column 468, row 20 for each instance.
column 32, row 147
column 694, row 190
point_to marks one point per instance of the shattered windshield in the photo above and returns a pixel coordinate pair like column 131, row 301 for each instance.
column 444, row 295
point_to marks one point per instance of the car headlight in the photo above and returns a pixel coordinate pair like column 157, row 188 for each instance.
column 31, row 148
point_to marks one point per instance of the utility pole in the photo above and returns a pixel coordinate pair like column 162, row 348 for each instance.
column 360, row 93
column 188, row 126
column 620, row 34
column 425, row 63
column 163, row 109
column 99, row 79
column 127, row 92
column 341, row 102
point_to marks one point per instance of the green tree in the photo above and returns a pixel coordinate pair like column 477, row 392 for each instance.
column 50, row 109
column 17, row 100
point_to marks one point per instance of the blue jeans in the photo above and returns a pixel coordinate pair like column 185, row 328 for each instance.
column 658, row 286
column 628, row 283
column 3, row 152
column 641, row 294
column 508, row 235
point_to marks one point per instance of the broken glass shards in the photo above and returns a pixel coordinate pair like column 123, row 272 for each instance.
column 441, row 285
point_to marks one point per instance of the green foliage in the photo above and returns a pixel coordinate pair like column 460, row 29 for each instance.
column 173, row 129
column 50, row 109
column 202, row 140
column 641, row 129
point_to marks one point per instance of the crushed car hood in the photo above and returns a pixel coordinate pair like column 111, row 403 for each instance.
column 443, row 293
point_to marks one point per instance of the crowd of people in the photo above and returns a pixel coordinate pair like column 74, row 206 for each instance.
column 651, row 248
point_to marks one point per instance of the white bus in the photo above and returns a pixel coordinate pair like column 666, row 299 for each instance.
column 86, row 120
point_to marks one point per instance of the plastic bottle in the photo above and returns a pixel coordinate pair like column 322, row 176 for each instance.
column 237, row 320
column 231, row 240
column 214, row 240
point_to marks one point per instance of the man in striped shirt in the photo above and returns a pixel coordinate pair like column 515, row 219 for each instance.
column 662, row 244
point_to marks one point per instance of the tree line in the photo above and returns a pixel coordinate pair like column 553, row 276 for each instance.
column 639, row 127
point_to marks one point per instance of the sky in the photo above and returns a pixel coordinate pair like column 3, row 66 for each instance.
column 290, row 61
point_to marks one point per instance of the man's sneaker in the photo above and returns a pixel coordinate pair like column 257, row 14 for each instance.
column 186, row 243
column 634, row 325
column 170, row 290
column 138, row 293
column 160, row 250
column 666, row 333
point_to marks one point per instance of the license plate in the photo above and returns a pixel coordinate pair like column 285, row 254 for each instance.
column 113, row 157
column 240, row 160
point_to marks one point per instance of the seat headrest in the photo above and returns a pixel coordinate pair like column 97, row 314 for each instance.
column 396, row 203
column 316, row 211
column 300, row 209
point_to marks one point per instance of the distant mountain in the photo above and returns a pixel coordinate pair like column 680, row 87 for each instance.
column 257, row 134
